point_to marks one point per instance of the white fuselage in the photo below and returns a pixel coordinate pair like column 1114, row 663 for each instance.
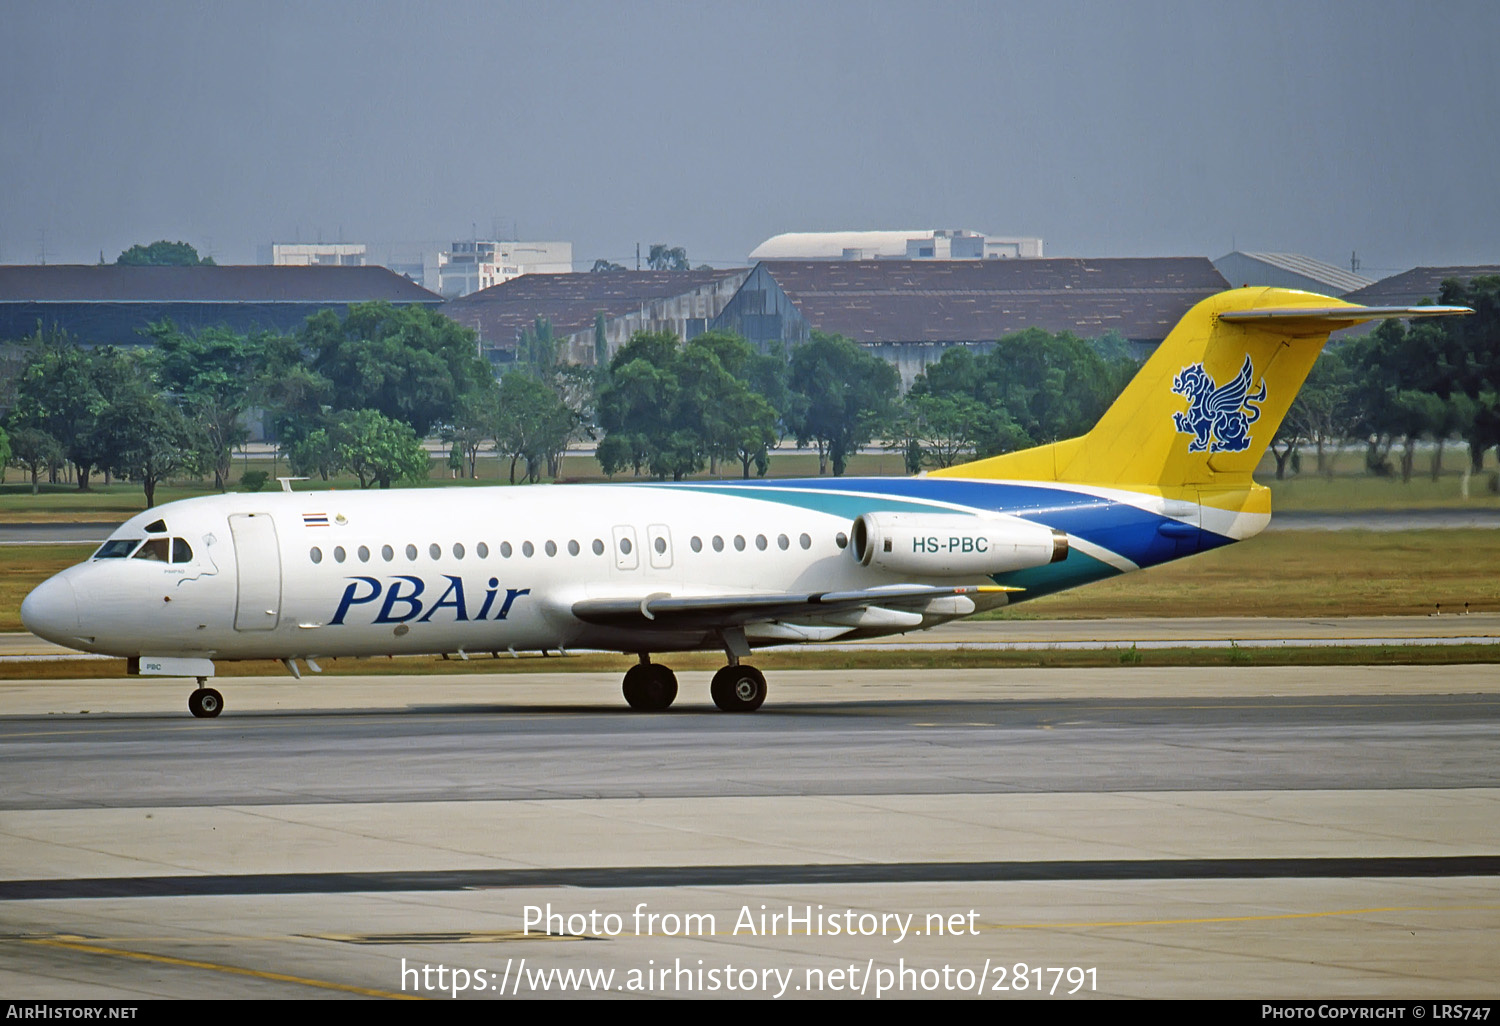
column 339, row 573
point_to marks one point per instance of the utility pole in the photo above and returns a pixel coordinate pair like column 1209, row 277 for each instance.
column 1353, row 262
column 637, row 256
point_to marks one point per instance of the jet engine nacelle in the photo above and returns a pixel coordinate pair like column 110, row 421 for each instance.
column 952, row 545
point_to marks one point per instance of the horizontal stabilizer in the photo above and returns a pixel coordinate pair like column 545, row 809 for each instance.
column 1335, row 317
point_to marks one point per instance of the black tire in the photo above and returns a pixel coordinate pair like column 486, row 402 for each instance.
column 739, row 688
column 650, row 687
column 205, row 703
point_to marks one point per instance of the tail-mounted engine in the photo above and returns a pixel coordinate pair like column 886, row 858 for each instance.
column 952, row 545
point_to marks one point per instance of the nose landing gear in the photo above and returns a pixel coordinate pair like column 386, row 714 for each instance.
column 205, row 703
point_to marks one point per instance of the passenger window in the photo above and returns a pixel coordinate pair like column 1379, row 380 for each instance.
column 573, row 548
column 387, row 553
column 760, row 542
column 315, row 554
column 739, row 543
column 841, row 539
column 718, row 544
column 338, row 553
column 783, row 542
column 435, row 550
column 364, row 554
column 157, row 549
column 625, row 546
column 505, row 549
column 458, row 550
column 805, row 541
column 598, row 547
column 182, row 552
column 482, row 550
column 696, row 543
column 551, row 548
column 527, row 549
column 411, row 553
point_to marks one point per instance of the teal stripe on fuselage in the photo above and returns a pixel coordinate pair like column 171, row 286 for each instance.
column 1041, row 580
column 1044, row 580
column 1141, row 536
column 833, row 503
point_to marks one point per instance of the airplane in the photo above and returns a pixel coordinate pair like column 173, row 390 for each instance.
column 650, row 568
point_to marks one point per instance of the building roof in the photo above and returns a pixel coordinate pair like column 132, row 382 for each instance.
column 1335, row 278
column 981, row 300
column 1411, row 287
column 112, row 283
column 570, row 302
column 831, row 245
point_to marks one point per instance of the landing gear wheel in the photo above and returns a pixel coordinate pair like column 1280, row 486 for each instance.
column 739, row 688
column 650, row 687
column 205, row 703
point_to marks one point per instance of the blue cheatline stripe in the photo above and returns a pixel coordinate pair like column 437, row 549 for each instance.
column 1117, row 527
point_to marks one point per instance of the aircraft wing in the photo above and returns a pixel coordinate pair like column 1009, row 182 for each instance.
column 669, row 612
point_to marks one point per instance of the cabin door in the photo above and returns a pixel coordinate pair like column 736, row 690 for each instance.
column 257, row 558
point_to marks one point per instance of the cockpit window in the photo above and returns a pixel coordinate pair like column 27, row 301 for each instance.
column 156, row 527
column 158, row 549
column 182, row 552
column 117, row 548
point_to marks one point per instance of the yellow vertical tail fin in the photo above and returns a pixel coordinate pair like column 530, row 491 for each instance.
column 1202, row 409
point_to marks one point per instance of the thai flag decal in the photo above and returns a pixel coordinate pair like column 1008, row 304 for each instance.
column 315, row 520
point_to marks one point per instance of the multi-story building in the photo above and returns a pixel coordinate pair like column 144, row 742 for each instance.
column 471, row 266
column 313, row 254
column 917, row 244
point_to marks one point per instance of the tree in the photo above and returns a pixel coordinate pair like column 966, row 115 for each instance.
column 636, row 405
column 149, row 438
column 667, row 408
column 471, row 428
column 378, row 449
column 59, row 393
column 163, row 254
column 847, row 394
column 531, row 422
column 667, row 258
column 1473, row 360
column 537, row 348
column 1035, row 387
column 212, row 376
column 33, row 450
column 944, row 428
column 601, row 266
column 601, row 341
column 410, row 363
column 732, row 420
column 314, row 452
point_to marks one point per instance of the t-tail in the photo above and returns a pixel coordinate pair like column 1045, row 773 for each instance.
column 1196, row 419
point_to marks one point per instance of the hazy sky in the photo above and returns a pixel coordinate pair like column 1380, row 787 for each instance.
column 1109, row 129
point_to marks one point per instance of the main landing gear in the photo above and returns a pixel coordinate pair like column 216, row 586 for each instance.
column 649, row 687
column 738, row 687
column 205, row 703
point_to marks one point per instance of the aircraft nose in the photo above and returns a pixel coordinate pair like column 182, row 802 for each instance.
column 51, row 611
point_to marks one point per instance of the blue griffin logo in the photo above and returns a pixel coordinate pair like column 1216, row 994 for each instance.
column 1218, row 416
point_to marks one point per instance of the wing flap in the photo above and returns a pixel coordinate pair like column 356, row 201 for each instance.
column 668, row 612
